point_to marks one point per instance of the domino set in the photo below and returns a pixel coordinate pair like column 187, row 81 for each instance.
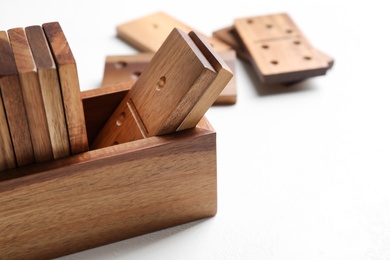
column 84, row 169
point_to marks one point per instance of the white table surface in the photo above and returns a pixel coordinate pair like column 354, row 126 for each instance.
column 303, row 173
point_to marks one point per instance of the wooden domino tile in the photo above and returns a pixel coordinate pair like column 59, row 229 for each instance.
column 127, row 68
column 51, row 91
column 279, row 51
column 164, row 97
column 13, row 104
column 67, row 72
column 229, row 36
column 149, row 32
column 32, row 97
column 208, row 97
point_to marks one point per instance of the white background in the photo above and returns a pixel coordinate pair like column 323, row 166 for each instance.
column 303, row 173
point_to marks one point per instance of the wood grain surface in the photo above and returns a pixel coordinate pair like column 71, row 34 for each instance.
column 7, row 155
column 229, row 94
column 124, row 68
column 32, row 95
column 51, row 91
column 14, row 105
column 67, row 72
column 164, row 94
column 210, row 94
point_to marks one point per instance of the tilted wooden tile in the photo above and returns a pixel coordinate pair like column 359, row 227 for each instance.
column 32, row 97
column 173, row 72
column 279, row 50
column 67, row 72
column 208, row 97
column 127, row 68
column 149, row 32
column 7, row 156
column 13, row 104
column 51, row 91
column 166, row 93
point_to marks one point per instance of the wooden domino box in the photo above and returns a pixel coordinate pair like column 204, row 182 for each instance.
column 86, row 200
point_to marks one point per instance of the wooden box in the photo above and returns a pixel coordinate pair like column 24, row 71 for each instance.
column 102, row 196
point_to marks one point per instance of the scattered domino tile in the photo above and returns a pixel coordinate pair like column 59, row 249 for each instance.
column 278, row 49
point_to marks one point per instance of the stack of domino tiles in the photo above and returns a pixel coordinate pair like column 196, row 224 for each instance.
column 276, row 48
column 41, row 112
